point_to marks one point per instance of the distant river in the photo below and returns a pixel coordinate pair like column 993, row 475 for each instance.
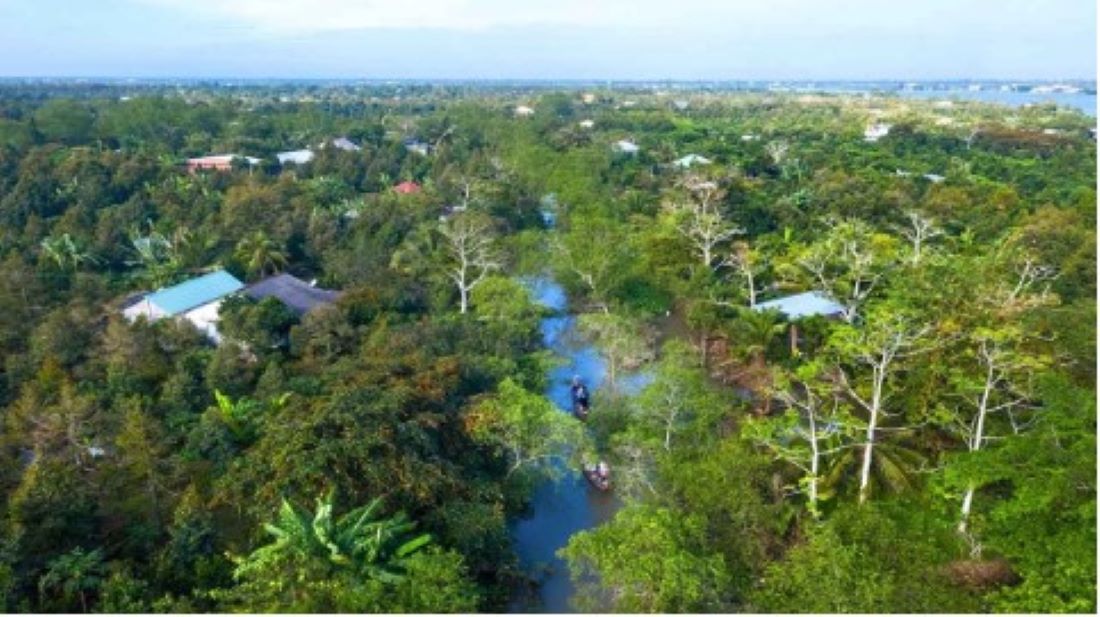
column 1083, row 102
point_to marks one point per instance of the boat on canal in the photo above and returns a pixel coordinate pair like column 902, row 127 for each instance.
column 599, row 476
column 580, row 399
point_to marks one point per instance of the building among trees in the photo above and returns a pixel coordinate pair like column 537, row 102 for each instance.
column 298, row 295
column 196, row 300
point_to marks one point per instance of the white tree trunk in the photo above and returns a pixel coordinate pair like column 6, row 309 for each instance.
column 752, row 287
column 463, row 288
column 879, row 376
column 670, row 422
column 976, row 439
column 815, row 457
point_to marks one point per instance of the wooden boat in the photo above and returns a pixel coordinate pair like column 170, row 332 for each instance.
column 601, row 484
column 580, row 401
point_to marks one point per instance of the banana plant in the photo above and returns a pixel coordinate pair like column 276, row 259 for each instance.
column 360, row 543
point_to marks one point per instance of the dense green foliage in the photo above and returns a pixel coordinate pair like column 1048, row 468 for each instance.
column 820, row 469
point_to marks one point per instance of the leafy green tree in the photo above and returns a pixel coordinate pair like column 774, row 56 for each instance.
column 508, row 317
column 1044, row 523
column 595, row 251
column 755, row 331
column 750, row 264
column 65, row 120
column 622, row 340
column 998, row 392
column 123, row 593
column 263, row 325
column 51, row 511
column 435, row 581
column 848, row 263
column 142, row 479
column 647, row 559
column 74, row 575
column 877, row 351
column 527, row 429
column 231, row 369
column 855, row 563
column 676, row 401
column 190, row 560
column 810, row 429
column 323, row 335
column 699, row 220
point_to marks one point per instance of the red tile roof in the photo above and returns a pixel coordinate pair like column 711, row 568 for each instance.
column 407, row 188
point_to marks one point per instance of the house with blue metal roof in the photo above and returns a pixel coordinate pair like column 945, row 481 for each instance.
column 196, row 300
column 799, row 306
column 806, row 304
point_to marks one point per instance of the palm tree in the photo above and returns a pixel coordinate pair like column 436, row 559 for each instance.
column 154, row 257
column 74, row 574
column 755, row 330
column 190, row 248
column 894, row 468
column 260, row 254
column 358, row 543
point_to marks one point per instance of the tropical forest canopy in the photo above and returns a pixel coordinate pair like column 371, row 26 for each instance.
column 929, row 447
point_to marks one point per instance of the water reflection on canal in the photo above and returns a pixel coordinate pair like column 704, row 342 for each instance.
column 560, row 509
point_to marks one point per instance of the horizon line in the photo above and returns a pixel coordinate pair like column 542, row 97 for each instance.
column 1090, row 79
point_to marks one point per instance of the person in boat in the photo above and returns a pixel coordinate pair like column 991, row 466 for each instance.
column 580, row 394
column 603, row 472
column 599, row 475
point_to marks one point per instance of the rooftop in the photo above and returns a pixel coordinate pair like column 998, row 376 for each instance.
column 806, row 304
column 692, row 159
column 298, row 295
column 195, row 292
column 298, row 157
column 214, row 159
column 406, row 188
column 344, row 143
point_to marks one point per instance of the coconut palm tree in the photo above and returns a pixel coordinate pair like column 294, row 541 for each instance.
column 894, row 469
column 191, row 248
column 755, row 330
column 261, row 255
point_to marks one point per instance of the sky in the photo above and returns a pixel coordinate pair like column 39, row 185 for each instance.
column 551, row 39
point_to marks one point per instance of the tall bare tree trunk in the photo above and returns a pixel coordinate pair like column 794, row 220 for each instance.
column 976, row 443
column 872, row 425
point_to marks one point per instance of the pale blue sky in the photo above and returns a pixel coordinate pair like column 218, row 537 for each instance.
column 548, row 39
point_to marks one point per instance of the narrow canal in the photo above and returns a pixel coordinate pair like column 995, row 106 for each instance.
column 562, row 508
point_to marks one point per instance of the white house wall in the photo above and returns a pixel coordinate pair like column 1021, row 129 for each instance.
column 144, row 308
column 205, row 318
